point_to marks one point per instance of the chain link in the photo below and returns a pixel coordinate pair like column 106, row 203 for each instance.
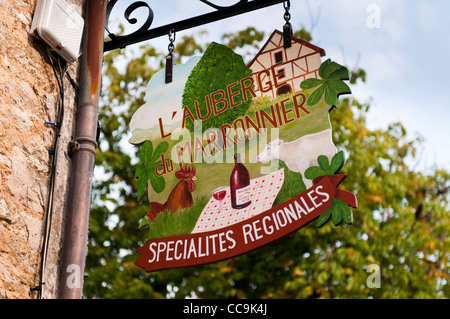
column 287, row 28
column 287, row 14
column 172, row 37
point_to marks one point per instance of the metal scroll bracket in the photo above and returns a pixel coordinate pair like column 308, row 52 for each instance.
column 146, row 33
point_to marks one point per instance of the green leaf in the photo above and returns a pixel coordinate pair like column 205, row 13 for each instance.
column 324, row 218
column 337, row 212
column 314, row 172
column 340, row 74
column 142, row 183
column 345, row 210
column 315, row 96
column 323, row 68
column 146, row 153
column 310, row 83
column 327, row 68
column 339, row 86
column 348, row 215
column 146, row 172
column 143, row 223
column 324, row 163
column 158, row 183
column 337, row 162
column 161, row 148
column 140, row 170
column 331, row 96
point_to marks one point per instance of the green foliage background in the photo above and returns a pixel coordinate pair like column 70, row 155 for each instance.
column 402, row 223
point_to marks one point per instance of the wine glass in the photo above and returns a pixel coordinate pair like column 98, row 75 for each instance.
column 219, row 194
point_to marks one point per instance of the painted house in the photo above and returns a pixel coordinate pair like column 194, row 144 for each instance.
column 277, row 70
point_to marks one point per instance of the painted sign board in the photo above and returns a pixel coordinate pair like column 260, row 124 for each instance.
column 235, row 156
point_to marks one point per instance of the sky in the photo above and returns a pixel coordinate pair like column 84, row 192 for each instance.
column 403, row 45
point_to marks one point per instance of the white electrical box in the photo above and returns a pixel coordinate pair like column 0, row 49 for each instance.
column 60, row 26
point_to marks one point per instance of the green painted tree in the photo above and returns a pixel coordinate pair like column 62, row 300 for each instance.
column 402, row 223
column 207, row 84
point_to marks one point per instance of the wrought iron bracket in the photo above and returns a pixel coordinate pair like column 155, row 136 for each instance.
column 145, row 33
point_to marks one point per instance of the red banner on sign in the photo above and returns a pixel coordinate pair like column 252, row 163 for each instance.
column 243, row 237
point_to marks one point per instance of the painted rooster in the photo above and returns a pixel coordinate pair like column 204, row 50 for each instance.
column 179, row 197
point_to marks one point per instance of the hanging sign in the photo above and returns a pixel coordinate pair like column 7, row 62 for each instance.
column 235, row 156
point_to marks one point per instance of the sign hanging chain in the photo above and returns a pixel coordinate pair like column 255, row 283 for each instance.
column 287, row 28
column 169, row 57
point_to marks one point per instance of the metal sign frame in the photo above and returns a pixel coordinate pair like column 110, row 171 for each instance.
column 145, row 33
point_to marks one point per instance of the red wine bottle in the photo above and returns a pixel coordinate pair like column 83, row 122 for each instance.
column 239, row 184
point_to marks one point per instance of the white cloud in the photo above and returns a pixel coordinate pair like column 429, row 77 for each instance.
column 386, row 66
column 395, row 31
column 427, row 16
column 162, row 99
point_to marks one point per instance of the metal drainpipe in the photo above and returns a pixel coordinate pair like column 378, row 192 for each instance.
column 84, row 149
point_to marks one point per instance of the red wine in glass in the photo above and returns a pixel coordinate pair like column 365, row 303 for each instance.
column 219, row 194
column 239, row 184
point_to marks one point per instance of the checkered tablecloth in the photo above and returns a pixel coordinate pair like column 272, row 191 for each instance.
column 263, row 190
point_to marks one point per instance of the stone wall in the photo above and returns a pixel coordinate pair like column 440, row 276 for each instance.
column 28, row 98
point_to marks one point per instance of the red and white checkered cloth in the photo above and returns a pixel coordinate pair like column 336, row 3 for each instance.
column 217, row 215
